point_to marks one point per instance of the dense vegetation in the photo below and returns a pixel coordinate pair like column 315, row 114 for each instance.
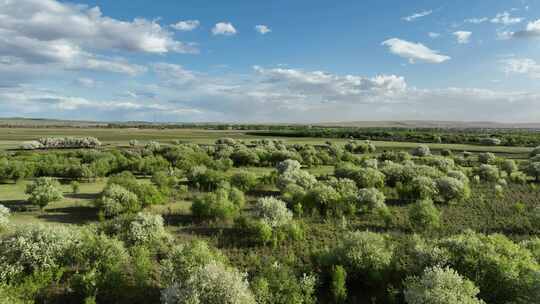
column 270, row 222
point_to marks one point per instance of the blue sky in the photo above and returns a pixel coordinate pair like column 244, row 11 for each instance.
column 274, row 61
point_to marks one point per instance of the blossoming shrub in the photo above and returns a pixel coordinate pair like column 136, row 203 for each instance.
column 440, row 286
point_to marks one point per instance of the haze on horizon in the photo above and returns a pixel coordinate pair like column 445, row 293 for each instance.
column 273, row 61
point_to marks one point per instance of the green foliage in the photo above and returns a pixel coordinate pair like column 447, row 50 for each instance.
column 223, row 204
column 43, row 191
column 452, row 190
column 419, row 188
column 440, row 286
column 116, row 200
column 272, row 212
column 244, row 180
column 75, row 187
column 424, row 216
column 421, row 151
column 4, row 217
column 371, row 199
column 338, row 284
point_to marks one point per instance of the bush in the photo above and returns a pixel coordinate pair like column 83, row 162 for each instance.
column 421, row 151
column 509, row 166
column 43, row 191
column 440, row 286
column 421, row 187
column 503, row 270
column 368, row 178
column 75, row 187
column 244, row 180
column 33, row 248
column 452, row 190
column 371, row 199
column 4, row 217
column 140, row 229
column 295, row 176
column 272, row 212
column 213, row 283
column 535, row 151
column 338, row 285
column 366, row 254
column 488, row 173
column 223, row 204
column 116, row 200
column 424, row 216
column 487, row 158
column 533, row 169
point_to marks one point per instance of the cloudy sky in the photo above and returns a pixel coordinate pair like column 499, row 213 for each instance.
column 271, row 61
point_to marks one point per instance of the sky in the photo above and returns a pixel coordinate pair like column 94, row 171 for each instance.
column 294, row 61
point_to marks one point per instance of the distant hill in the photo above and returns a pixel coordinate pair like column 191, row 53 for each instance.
column 42, row 122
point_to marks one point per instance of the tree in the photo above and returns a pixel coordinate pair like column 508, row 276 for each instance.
column 421, row 151
column 452, row 189
column 488, row 173
column 75, row 187
column 366, row 253
column 371, row 199
column 223, row 204
column 421, row 187
column 534, row 152
column 368, row 178
column 116, row 200
column 4, row 217
column 272, row 211
column 533, row 169
column 487, row 158
column 338, row 285
column 424, row 216
column 509, row 166
column 214, row 283
column 43, row 191
column 440, row 286
column 244, row 180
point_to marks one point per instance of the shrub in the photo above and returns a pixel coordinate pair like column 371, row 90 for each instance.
column 75, row 187
column 488, row 173
column 452, row 190
column 421, row 187
column 116, row 200
column 371, row 198
column 487, row 158
column 518, row 177
column 338, row 285
column 33, row 248
column 424, row 216
column 43, row 191
column 223, row 204
column 440, row 286
column 421, row 151
column 140, row 229
column 368, row 178
column 533, row 169
column 509, row 166
column 4, row 217
column 323, row 198
column 213, row 283
column 272, row 211
column 502, row 269
column 244, row 180
column 147, row 194
column 535, row 151
column 366, row 253
column 295, row 176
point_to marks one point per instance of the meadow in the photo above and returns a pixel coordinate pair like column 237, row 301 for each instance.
column 260, row 219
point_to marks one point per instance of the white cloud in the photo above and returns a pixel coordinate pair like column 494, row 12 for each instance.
column 86, row 82
column 414, row 51
column 52, row 22
column 524, row 66
column 224, row 28
column 476, row 20
column 463, row 37
column 434, row 35
column 262, row 29
column 531, row 31
column 417, row 15
column 186, row 25
column 506, row 19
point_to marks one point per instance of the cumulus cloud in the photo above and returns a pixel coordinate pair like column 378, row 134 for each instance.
column 224, row 28
column 418, row 15
column 524, row 66
column 531, row 31
column 414, row 51
column 506, row 19
column 186, row 25
column 63, row 24
column 262, row 29
column 463, row 37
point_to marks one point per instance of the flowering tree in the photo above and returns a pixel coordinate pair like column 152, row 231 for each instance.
column 424, row 215
column 440, row 286
column 43, row 191
column 4, row 217
column 421, row 150
column 273, row 212
column 371, row 198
